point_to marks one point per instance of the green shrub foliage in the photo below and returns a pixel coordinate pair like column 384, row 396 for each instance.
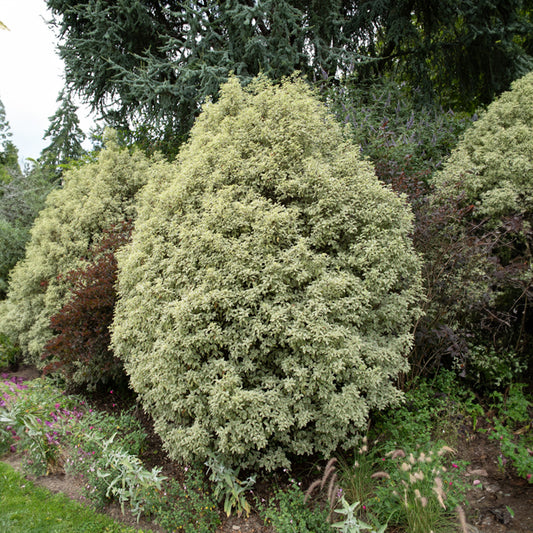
column 94, row 197
column 21, row 199
column 489, row 176
column 397, row 129
column 267, row 299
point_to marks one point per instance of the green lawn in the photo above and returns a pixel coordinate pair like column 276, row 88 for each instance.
column 26, row 508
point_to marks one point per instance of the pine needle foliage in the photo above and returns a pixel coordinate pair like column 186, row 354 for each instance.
column 267, row 299
column 148, row 65
column 94, row 197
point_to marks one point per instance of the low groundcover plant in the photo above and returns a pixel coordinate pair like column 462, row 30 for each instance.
column 54, row 432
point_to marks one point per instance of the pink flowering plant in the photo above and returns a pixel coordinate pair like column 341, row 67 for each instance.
column 9, row 390
column 33, row 418
column 56, row 432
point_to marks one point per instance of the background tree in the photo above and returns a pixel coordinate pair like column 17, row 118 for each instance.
column 21, row 200
column 9, row 166
column 146, row 65
column 460, row 53
column 65, row 134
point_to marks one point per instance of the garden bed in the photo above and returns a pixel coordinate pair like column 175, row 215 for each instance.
column 499, row 500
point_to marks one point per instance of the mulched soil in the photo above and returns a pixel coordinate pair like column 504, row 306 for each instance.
column 501, row 503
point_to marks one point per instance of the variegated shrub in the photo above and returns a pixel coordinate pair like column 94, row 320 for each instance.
column 489, row 180
column 94, row 197
column 267, row 299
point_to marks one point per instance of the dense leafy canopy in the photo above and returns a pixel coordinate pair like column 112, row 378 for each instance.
column 267, row 299
column 148, row 64
column 80, row 350
column 492, row 166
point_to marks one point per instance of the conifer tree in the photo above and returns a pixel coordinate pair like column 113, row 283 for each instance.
column 147, row 65
column 9, row 166
column 65, row 134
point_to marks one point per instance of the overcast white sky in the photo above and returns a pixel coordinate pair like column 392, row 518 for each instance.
column 31, row 74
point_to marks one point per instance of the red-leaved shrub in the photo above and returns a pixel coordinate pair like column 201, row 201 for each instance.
column 80, row 350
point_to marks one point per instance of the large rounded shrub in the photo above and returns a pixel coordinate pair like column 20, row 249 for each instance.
column 492, row 167
column 94, row 197
column 267, row 299
column 489, row 181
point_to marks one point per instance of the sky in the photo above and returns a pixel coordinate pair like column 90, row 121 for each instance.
column 31, row 74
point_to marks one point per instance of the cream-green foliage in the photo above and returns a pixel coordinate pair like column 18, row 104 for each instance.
column 491, row 172
column 268, row 296
column 94, row 197
column 493, row 165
